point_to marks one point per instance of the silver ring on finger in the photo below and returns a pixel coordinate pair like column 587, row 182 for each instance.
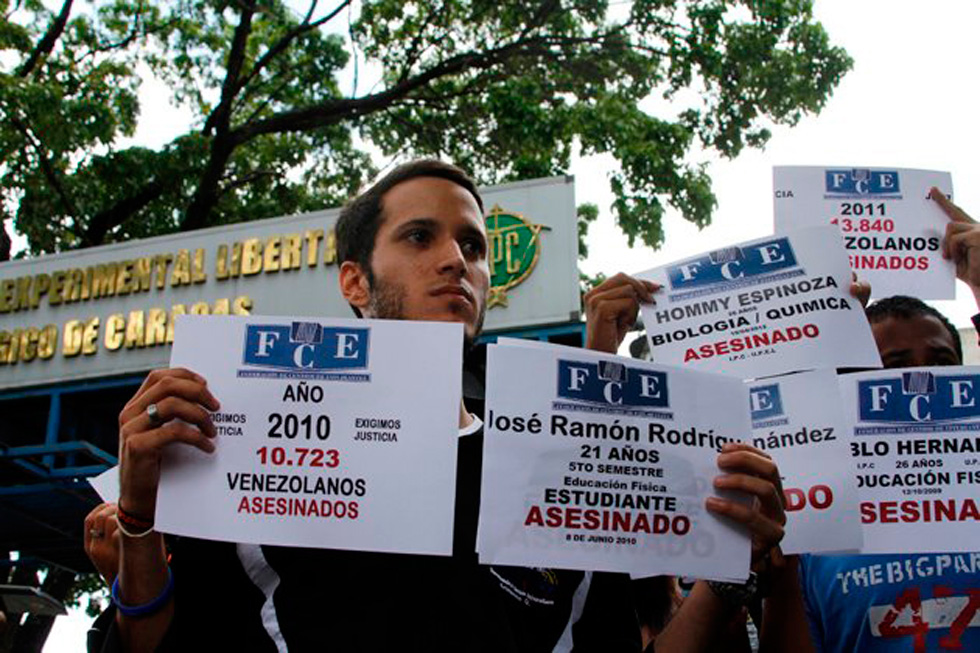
column 95, row 534
column 154, row 415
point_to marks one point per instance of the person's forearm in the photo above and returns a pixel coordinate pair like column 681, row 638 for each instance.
column 142, row 578
column 784, row 620
column 697, row 623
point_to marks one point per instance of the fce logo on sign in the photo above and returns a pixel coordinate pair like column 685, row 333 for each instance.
column 733, row 264
column 862, row 182
column 920, row 397
column 611, row 385
column 765, row 402
column 306, row 349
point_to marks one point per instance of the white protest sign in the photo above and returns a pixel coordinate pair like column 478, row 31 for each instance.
column 331, row 433
column 597, row 462
column 892, row 230
column 916, row 449
column 106, row 484
column 797, row 420
column 764, row 307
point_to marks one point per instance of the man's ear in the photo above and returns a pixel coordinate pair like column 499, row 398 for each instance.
column 354, row 285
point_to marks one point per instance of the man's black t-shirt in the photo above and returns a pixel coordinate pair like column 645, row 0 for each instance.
column 246, row 597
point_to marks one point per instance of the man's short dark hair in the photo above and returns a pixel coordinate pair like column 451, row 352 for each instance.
column 904, row 307
column 359, row 221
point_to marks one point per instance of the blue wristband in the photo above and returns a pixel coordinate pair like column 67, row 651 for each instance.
column 146, row 609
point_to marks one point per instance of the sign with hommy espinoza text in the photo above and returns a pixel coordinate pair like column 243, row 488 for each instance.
column 764, row 307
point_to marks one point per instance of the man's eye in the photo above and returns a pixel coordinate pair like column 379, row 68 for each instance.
column 473, row 247
column 418, row 236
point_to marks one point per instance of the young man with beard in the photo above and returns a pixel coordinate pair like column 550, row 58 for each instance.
column 414, row 247
column 890, row 603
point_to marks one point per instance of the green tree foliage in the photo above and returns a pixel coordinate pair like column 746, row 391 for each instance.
column 90, row 591
column 506, row 88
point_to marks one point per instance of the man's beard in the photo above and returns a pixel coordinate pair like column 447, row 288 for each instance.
column 387, row 299
column 388, row 303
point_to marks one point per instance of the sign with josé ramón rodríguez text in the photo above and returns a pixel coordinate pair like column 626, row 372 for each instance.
column 597, row 462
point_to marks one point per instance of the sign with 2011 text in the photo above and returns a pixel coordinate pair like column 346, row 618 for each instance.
column 763, row 307
column 325, row 427
column 796, row 419
column 597, row 462
column 891, row 229
column 916, row 450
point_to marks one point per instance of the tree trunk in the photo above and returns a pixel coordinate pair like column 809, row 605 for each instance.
column 206, row 196
column 5, row 243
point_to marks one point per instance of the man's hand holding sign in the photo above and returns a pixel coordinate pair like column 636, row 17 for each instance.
column 611, row 309
column 618, row 302
column 962, row 242
column 170, row 406
column 748, row 472
column 147, row 427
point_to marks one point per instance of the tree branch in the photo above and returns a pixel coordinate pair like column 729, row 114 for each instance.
column 282, row 44
column 5, row 243
column 245, row 180
column 133, row 34
column 267, row 100
column 413, row 53
column 353, row 47
column 49, row 172
column 104, row 221
column 219, row 119
column 46, row 44
column 539, row 18
column 334, row 111
column 218, row 124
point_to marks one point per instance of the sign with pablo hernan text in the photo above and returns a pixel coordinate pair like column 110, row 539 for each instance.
column 597, row 462
column 763, row 307
column 892, row 231
column 325, row 427
column 796, row 419
column 916, row 453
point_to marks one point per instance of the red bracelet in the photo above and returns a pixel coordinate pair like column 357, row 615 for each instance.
column 133, row 521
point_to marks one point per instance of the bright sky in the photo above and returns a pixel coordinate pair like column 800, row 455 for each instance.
column 907, row 103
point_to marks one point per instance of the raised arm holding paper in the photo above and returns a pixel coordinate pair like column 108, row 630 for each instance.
column 704, row 618
column 962, row 243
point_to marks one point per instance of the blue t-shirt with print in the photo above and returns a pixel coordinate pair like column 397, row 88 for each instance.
column 875, row 603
